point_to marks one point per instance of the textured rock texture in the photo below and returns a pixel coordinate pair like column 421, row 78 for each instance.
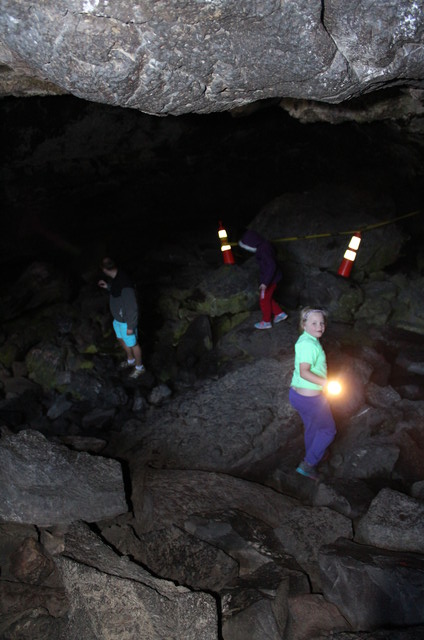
column 174, row 57
column 45, row 484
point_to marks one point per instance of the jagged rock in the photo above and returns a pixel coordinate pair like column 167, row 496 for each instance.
column 409, row 311
column 368, row 584
column 378, row 396
column 98, row 418
column 159, row 394
column 196, row 342
column 292, row 215
column 20, row 410
column 25, row 608
column 40, row 284
column 409, row 467
column 169, row 59
column 374, row 458
column 45, row 363
column 97, row 390
column 17, row 387
column 410, row 633
column 228, row 430
column 250, row 542
column 30, row 564
column 59, row 407
column 176, row 555
column 164, row 497
column 381, row 368
column 11, row 537
column 380, row 298
column 304, row 530
column 351, row 498
column 226, row 290
column 110, row 595
column 257, row 622
column 417, row 490
column 195, row 496
column 81, row 443
column 393, row 521
column 311, row 617
column 48, row 484
column 269, row 582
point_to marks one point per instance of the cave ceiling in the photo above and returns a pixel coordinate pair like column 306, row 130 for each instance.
column 322, row 60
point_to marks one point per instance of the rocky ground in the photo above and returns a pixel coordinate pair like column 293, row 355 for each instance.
column 169, row 507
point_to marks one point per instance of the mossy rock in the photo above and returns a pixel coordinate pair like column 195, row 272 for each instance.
column 9, row 353
column 45, row 363
column 224, row 324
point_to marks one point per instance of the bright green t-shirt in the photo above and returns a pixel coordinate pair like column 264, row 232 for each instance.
column 308, row 349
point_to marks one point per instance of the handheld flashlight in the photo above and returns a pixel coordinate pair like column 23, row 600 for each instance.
column 333, row 388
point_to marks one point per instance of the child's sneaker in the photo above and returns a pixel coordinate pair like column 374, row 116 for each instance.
column 308, row 471
column 138, row 371
column 281, row 316
column 263, row 325
column 126, row 365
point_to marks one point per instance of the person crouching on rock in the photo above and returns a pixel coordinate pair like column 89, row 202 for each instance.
column 124, row 309
column 269, row 275
column 306, row 391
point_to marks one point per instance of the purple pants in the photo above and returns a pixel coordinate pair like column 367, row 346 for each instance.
column 318, row 422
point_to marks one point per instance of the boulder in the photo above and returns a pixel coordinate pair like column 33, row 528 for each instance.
column 310, row 617
column 393, row 521
column 373, row 587
column 111, row 597
column 47, row 484
column 303, row 531
column 168, row 59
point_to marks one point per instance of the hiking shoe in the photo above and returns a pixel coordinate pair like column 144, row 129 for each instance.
column 126, row 365
column 308, row 471
column 137, row 373
column 263, row 325
column 281, row 316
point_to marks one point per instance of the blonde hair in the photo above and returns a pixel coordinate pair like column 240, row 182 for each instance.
column 306, row 311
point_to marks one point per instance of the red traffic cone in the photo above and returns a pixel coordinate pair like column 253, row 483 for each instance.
column 227, row 253
column 349, row 256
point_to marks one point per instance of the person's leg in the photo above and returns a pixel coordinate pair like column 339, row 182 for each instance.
column 322, row 431
column 136, row 354
column 318, row 424
column 275, row 307
column 128, row 350
column 265, row 302
column 121, row 334
column 304, row 405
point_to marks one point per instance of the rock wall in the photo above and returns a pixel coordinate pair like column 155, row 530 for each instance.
column 198, row 57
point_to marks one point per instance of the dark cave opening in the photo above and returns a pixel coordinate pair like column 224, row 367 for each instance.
column 76, row 173
column 82, row 180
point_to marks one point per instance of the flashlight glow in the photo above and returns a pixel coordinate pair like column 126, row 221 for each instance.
column 334, row 387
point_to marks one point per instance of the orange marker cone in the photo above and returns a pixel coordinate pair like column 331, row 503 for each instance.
column 349, row 256
column 227, row 253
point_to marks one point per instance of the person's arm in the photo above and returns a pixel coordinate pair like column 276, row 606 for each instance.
column 267, row 268
column 306, row 374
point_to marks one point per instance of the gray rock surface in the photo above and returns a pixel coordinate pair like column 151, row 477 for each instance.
column 393, row 521
column 174, row 58
column 112, row 597
column 267, row 421
column 372, row 587
column 45, row 484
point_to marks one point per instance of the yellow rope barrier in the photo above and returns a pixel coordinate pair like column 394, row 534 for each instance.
column 367, row 227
